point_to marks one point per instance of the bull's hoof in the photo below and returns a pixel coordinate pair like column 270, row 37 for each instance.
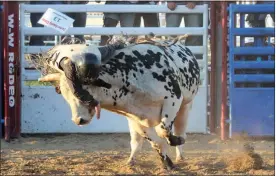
column 179, row 159
column 130, row 163
column 167, row 163
column 175, row 140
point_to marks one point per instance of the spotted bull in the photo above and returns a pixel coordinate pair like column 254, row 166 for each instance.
column 153, row 86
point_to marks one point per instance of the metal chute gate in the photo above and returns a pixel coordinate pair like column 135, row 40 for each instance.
column 251, row 73
column 44, row 111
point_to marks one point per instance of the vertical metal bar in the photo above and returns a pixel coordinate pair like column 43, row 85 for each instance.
column 13, row 47
column 11, row 69
column 242, row 25
column 17, row 51
column 232, row 44
column 56, row 40
column 5, row 63
column 1, row 68
column 224, row 70
column 213, row 67
column 22, row 42
column 205, row 44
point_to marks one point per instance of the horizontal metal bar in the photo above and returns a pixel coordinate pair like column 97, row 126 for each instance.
column 252, row 51
column 34, row 75
column 27, row 64
column 256, row 8
column 31, row 75
column 116, row 8
column 252, row 31
column 35, row 49
column 253, row 78
column 116, row 31
column 38, row 49
column 252, row 88
column 253, row 64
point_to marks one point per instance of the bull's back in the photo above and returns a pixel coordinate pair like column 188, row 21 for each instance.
column 154, row 71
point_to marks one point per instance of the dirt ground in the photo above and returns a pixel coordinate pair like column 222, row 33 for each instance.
column 106, row 154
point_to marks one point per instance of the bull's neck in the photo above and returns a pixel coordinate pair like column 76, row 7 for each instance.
column 107, row 91
column 114, row 80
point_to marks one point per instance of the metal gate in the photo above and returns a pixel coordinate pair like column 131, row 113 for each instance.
column 44, row 111
column 252, row 74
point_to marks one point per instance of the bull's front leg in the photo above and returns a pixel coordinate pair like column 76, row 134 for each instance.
column 136, row 142
column 156, row 142
column 169, row 112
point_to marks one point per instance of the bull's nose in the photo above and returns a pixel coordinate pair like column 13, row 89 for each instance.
column 82, row 121
column 79, row 121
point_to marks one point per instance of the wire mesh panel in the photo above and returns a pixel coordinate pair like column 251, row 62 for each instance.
column 252, row 71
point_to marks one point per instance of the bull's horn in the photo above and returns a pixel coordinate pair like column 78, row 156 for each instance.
column 50, row 77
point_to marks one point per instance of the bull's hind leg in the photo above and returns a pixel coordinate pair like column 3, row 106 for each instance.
column 161, row 149
column 169, row 112
column 156, row 142
column 180, row 125
column 136, row 142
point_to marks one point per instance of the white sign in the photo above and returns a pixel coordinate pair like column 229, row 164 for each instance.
column 56, row 20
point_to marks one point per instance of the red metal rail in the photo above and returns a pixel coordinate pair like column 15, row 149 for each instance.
column 16, row 11
column 12, row 93
column 212, row 119
column 5, row 52
column 224, row 130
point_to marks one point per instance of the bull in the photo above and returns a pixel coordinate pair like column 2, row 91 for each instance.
column 148, row 84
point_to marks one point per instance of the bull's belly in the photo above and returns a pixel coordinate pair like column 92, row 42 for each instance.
column 148, row 115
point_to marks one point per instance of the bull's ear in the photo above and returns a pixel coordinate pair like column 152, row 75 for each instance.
column 50, row 77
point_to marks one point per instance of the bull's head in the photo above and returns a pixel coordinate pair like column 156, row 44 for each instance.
column 81, row 114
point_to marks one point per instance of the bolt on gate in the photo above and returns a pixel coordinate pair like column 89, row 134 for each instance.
column 251, row 73
column 44, row 111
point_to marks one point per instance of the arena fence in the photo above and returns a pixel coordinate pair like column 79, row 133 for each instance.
column 251, row 73
column 44, row 111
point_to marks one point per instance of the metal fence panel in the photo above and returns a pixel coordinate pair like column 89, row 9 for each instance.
column 252, row 74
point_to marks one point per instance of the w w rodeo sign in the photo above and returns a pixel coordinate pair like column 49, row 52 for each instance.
column 11, row 64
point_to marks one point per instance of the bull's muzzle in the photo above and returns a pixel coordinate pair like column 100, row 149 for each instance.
column 80, row 121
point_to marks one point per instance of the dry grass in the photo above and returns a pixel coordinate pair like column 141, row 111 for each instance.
column 107, row 155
